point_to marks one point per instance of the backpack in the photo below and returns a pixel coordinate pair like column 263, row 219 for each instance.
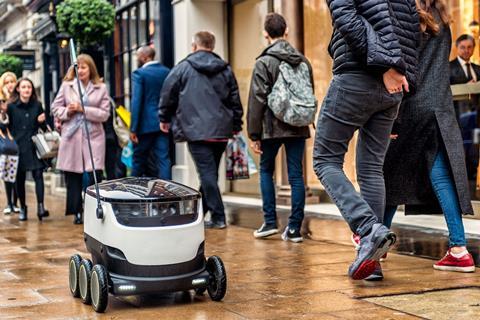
column 292, row 100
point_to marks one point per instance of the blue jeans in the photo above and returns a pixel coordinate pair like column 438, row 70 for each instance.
column 294, row 148
column 158, row 144
column 446, row 193
column 355, row 101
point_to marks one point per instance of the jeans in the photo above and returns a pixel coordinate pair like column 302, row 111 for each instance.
column 355, row 101
column 444, row 188
column 158, row 144
column 207, row 156
column 294, row 148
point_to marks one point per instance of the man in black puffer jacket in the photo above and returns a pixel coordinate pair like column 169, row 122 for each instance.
column 201, row 101
column 374, row 50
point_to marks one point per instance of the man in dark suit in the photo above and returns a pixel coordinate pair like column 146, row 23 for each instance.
column 462, row 70
column 148, row 140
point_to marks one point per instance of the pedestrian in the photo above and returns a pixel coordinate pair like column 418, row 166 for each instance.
column 268, row 133
column 200, row 102
column 425, row 165
column 26, row 116
column 374, row 55
column 73, row 154
column 148, row 140
column 8, row 81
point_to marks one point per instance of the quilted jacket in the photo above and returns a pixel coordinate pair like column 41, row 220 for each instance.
column 374, row 36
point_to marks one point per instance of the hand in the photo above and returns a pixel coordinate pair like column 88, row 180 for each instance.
column 164, row 127
column 41, row 118
column 395, row 81
column 71, row 108
column 393, row 136
column 256, row 146
column 133, row 137
column 78, row 107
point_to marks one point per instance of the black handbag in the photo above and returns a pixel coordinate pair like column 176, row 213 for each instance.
column 7, row 144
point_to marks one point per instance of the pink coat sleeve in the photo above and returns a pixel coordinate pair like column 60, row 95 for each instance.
column 101, row 112
column 59, row 105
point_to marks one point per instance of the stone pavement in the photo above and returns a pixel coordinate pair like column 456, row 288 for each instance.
column 267, row 279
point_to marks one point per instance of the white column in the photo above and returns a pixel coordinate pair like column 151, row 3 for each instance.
column 191, row 16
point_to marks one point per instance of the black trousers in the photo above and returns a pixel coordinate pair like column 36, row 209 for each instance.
column 207, row 156
column 39, row 186
column 74, row 183
column 11, row 193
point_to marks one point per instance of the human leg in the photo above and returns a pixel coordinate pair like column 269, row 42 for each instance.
column 39, row 192
column 20, row 187
column 295, row 149
column 73, row 181
column 141, row 151
column 204, row 156
column 162, row 156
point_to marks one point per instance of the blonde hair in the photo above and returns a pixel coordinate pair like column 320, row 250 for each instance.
column 4, row 94
column 87, row 59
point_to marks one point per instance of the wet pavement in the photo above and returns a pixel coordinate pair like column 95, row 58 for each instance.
column 267, row 279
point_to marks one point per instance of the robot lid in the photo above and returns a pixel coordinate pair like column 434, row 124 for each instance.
column 133, row 189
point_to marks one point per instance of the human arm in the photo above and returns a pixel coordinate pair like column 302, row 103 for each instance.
column 260, row 87
column 168, row 103
column 235, row 102
column 101, row 112
column 136, row 105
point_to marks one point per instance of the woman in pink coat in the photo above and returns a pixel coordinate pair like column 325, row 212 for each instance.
column 73, row 155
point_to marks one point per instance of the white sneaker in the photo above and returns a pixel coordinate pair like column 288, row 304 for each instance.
column 292, row 235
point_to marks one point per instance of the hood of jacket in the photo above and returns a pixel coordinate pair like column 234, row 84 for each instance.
column 283, row 51
column 206, row 62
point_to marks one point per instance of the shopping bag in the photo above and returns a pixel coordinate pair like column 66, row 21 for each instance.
column 46, row 143
column 237, row 158
column 127, row 155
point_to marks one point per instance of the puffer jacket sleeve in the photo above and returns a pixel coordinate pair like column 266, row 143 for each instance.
column 168, row 103
column 260, row 87
column 234, row 101
column 371, row 36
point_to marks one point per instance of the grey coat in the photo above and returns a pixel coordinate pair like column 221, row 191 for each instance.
column 426, row 122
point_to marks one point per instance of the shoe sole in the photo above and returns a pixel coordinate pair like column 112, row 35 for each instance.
column 456, row 269
column 296, row 240
column 265, row 233
column 374, row 277
column 367, row 267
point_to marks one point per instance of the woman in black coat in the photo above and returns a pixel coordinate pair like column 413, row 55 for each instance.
column 425, row 163
column 26, row 116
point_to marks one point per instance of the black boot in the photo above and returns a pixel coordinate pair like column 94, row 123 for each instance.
column 41, row 212
column 23, row 216
column 78, row 219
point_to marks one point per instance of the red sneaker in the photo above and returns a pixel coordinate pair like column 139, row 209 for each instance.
column 450, row 263
column 355, row 238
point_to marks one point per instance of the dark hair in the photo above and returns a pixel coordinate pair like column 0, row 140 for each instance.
column 428, row 22
column 275, row 25
column 464, row 37
column 204, row 39
column 16, row 95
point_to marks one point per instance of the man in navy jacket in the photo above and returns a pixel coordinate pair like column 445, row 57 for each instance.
column 147, row 82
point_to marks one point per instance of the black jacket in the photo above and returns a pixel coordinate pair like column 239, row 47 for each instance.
column 458, row 76
column 374, row 36
column 261, row 123
column 23, row 125
column 200, row 99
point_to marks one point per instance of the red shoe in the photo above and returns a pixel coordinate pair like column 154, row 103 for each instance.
column 450, row 263
column 355, row 238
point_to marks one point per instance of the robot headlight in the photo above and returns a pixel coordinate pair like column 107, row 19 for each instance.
column 149, row 214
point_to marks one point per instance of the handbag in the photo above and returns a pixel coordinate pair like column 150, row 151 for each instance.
column 46, row 143
column 7, row 144
column 8, row 168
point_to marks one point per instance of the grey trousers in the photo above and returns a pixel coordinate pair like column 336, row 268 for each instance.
column 355, row 101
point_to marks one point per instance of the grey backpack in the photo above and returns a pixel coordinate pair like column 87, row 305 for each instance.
column 292, row 100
